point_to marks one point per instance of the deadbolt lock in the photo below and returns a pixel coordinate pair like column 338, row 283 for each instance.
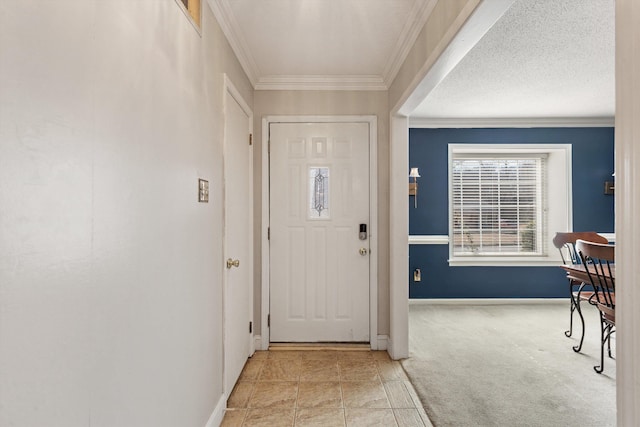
column 233, row 263
column 363, row 251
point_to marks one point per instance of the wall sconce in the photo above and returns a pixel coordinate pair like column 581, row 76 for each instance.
column 413, row 186
column 609, row 186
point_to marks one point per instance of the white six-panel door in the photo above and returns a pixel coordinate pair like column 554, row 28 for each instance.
column 319, row 196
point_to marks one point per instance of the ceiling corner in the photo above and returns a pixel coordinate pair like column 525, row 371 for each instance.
column 421, row 11
column 226, row 20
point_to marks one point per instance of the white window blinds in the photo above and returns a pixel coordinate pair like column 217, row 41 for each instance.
column 498, row 205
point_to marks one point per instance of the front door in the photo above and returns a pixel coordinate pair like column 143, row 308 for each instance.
column 319, row 202
column 238, row 220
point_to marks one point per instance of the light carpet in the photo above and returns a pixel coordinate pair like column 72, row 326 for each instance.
column 508, row 365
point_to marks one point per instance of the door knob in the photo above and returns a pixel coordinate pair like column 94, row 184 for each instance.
column 363, row 251
column 233, row 263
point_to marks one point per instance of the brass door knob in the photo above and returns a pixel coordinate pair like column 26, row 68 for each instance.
column 233, row 263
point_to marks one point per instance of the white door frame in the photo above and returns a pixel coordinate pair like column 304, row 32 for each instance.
column 230, row 89
column 372, row 121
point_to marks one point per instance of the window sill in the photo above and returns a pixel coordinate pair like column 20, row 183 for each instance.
column 503, row 262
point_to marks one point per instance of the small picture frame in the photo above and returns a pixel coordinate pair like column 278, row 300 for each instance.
column 192, row 8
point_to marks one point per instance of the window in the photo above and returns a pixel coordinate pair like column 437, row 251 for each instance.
column 500, row 205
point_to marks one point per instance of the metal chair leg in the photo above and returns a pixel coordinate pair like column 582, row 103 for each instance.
column 600, row 368
column 578, row 347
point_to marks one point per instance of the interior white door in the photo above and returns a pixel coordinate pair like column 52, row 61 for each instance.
column 238, row 220
column 319, row 197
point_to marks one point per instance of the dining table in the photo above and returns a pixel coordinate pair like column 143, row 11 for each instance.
column 578, row 272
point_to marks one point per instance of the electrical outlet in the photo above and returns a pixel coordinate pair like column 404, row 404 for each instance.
column 203, row 191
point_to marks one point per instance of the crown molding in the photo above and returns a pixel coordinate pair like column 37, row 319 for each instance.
column 421, row 11
column 320, row 82
column 535, row 122
column 224, row 15
column 228, row 24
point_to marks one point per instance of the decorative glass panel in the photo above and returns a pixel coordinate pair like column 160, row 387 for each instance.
column 319, row 193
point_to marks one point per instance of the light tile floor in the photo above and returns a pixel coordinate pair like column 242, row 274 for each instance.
column 323, row 388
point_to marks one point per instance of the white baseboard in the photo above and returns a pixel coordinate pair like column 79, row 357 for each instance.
column 390, row 347
column 486, row 301
column 218, row 413
column 383, row 341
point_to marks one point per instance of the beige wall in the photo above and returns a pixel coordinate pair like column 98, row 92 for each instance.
column 329, row 103
column 110, row 293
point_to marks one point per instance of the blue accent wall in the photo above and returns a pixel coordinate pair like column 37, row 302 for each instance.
column 592, row 165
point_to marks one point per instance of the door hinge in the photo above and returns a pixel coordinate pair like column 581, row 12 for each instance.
column 268, row 233
column 269, row 147
column 250, row 327
column 268, row 320
column 250, row 139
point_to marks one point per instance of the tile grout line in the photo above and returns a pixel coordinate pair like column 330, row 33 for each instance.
column 344, row 407
column 253, row 389
column 295, row 405
column 386, row 393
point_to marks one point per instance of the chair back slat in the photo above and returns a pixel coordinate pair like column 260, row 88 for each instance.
column 565, row 242
column 599, row 261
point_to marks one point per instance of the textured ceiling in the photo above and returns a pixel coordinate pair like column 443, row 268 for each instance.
column 542, row 59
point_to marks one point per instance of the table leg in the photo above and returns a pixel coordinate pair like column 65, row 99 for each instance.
column 572, row 308
column 576, row 300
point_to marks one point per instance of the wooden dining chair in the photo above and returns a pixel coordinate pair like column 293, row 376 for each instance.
column 600, row 262
column 565, row 242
